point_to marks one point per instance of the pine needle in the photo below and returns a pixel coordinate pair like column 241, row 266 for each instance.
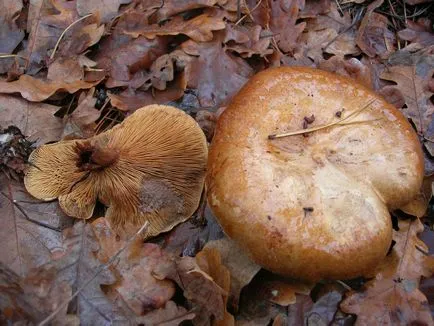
column 339, row 122
column 64, row 32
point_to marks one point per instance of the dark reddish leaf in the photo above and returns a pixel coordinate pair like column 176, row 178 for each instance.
column 216, row 74
column 10, row 34
column 419, row 33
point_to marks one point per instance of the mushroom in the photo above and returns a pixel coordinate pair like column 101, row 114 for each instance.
column 311, row 200
column 151, row 167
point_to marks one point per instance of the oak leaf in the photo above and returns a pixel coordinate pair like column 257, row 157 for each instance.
column 393, row 297
column 35, row 120
column 413, row 75
column 137, row 287
column 37, row 90
column 373, row 36
column 283, row 23
column 199, row 28
column 199, row 288
column 419, row 33
column 10, row 34
column 216, row 74
column 241, row 268
column 106, row 9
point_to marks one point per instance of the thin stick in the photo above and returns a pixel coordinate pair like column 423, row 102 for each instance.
column 64, row 32
column 98, row 271
column 339, row 122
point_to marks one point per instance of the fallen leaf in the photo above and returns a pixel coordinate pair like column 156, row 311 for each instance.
column 247, row 41
column 199, row 28
column 173, row 7
column 352, row 68
column 216, row 74
column 412, row 78
column 373, row 36
column 35, row 120
column 393, row 297
column 75, row 264
column 81, row 122
column 199, row 288
column 329, row 33
column 267, row 296
column 209, row 260
column 31, row 230
column 170, row 315
column 419, row 33
column 122, row 56
column 65, row 70
column 241, row 268
column 188, row 238
column 30, row 300
column 298, row 310
column 283, row 23
column 138, row 288
column 36, row 90
column 313, row 8
column 47, row 20
column 10, row 34
column 106, row 9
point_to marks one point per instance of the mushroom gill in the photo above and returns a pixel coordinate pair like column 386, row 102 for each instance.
column 151, row 167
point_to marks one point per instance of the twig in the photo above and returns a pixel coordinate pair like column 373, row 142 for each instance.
column 339, row 122
column 98, row 271
column 64, row 32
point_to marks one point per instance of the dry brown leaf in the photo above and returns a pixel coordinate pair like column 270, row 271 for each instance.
column 393, row 297
column 173, row 7
column 248, row 41
column 75, row 264
column 28, row 301
column 283, row 23
column 170, row 315
column 65, row 69
column 122, row 56
column 352, row 68
column 37, row 90
column 137, row 287
column 47, row 20
column 10, row 34
column 106, row 9
column 266, row 296
column 198, row 28
column 413, row 77
column 373, row 36
column 216, row 74
column 419, row 33
column 35, row 120
column 131, row 100
column 30, row 230
column 209, row 260
column 199, row 288
column 330, row 33
column 241, row 268
column 81, row 122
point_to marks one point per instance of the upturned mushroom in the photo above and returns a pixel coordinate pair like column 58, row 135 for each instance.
column 151, row 167
column 304, row 168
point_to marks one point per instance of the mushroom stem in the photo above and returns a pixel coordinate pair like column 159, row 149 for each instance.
column 339, row 122
column 93, row 157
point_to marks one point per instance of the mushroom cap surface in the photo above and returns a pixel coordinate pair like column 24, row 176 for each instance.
column 151, row 167
column 312, row 206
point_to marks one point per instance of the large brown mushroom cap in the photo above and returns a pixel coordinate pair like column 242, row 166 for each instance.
column 151, row 167
column 312, row 206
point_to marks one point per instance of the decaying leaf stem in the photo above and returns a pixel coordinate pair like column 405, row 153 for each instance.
column 338, row 122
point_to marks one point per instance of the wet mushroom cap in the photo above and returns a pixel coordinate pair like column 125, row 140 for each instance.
column 151, row 167
column 313, row 206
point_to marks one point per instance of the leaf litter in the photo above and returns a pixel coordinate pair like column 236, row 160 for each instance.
column 57, row 57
